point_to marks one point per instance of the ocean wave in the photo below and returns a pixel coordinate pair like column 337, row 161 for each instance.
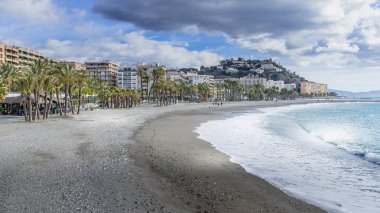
column 302, row 160
column 362, row 153
column 372, row 157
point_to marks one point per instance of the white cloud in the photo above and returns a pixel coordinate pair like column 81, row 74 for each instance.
column 263, row 43
column 135, row 47
column 34, row 10
column 343, row 25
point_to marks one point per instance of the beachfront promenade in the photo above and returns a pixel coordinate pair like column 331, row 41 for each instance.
column 116, row 161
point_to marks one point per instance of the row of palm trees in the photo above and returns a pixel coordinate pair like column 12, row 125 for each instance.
column 41, row 83
column 111, row 97
column 259, row 92
column 164, row 91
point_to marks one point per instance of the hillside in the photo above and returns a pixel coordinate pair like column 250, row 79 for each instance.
column 237, row 68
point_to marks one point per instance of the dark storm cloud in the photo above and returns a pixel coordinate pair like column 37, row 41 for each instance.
column 233, row 17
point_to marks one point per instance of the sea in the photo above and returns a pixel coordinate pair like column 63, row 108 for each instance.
column 327, row 154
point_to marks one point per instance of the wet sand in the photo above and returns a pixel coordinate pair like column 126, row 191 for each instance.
column 198, row 178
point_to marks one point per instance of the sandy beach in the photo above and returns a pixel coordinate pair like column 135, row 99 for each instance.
column 139, row 160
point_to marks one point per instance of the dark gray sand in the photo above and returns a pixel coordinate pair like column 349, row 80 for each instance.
column 195, row 177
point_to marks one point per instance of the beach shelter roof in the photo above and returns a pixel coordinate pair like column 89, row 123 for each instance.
column 11, row 100
column 18, row 100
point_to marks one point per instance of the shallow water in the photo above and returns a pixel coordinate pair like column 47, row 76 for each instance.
column 326, row 154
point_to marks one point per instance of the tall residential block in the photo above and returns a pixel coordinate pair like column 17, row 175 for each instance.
column 128, row 78
column 18, row 56
column 103, row 70
column 308, row 87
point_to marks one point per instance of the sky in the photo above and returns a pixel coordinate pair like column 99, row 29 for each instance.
column 330, row 41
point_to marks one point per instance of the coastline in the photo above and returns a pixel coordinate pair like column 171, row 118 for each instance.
column 96, row 162
column 194, row 176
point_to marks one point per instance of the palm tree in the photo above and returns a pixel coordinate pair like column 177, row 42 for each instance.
column 146, row 79
column 67, row 76
column 203, row 90
column 182, row 88
column 3, row 90
column 219, row 91
column 7, row 73
column 192, row 90
column 56, row 71
column 141, row 73
column 172, row 87
column 233, row 89
column 258, row 91
column 284, row 93
column 159, row 88
column 38, row 71
column 25, row 84
column 82, row 82
column 49, row 86
column 157, row 75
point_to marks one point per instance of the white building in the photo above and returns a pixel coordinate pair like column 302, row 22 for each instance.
column 271, row 83
column 175, row 75
column 232, row 70
column 128, row 78
column 290, row 86
column 258, row 70
column 251, row 81
column 269, row 66
column 194, row 78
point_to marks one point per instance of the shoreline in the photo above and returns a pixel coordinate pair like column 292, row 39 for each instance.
column 92, row 163
column 197, row 175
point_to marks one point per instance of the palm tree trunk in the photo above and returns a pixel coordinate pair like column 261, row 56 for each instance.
column 45, row 106
column 79, row 99
column 71, row 99
column 30, row 108
column 142, row 91
column 36, row 101
column 66, row 94
column 24, row 108
column 58, row 100
column 49, row 105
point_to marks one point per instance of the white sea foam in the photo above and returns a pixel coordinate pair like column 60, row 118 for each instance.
column 300, row 162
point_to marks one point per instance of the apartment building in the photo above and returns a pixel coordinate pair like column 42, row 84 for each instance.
column 77, row 65
column 250, row 81
column 128, row 78
column 194, row 78
column 18, row 56
column 104, row 71
column 309, row 87
column 175, row 75
column 149, row 67
column 290, row 86
column 26, row 57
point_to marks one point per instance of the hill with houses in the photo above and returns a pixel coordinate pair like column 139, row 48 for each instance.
column 237, row 68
